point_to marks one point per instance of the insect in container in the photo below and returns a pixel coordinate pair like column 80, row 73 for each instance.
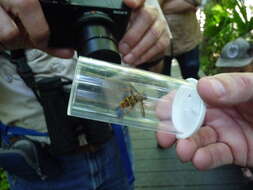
column 129, row 101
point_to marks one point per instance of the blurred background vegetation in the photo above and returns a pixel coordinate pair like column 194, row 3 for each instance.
column 223, row 21
column 3, row 181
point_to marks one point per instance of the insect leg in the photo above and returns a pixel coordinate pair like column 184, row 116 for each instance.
column 142, row 108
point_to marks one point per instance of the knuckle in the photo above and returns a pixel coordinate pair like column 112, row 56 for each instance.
column 153, row 11
column 150, row 13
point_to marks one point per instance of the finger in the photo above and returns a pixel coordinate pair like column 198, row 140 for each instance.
column 134, row 3
column 123, row 47
column 212, row 156
column 62, row 53
column 168, row 127
column 158, row 49
column 144, row 18
column 8, row 29
column 149, row 39
column 232, row 131
column 227, row 89
column 165, row 140
column 30, row 14
column 164, row 106
column 186, row 148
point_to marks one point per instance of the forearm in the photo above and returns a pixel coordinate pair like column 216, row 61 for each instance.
column 177, row 6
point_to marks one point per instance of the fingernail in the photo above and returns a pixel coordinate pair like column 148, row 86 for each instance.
column 129, row 58
column 134, row 1
column 217, row 87
column 124, row 48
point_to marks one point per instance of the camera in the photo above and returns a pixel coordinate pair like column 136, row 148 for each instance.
column 92, row 27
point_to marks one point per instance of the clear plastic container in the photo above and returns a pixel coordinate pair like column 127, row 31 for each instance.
column 122, row 95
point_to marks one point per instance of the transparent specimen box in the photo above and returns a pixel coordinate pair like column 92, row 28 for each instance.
column 127, row 96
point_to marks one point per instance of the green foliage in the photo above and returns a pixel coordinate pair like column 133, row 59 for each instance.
column 226, row 20
column 3, row 181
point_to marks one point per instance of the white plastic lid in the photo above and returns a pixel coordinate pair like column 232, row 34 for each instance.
column 188, row 110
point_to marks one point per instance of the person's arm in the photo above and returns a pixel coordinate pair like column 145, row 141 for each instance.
column 178, row 6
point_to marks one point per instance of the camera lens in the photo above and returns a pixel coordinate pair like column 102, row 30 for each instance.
column 97, row 40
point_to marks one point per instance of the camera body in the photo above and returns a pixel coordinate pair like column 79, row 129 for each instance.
column 92, row 27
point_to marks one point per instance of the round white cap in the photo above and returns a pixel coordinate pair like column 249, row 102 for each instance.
column 188, row 110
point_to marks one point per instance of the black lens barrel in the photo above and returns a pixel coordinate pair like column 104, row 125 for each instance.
column 96, row 39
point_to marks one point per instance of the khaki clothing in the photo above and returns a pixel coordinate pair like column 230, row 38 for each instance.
column 18, row 104
column 185, row 30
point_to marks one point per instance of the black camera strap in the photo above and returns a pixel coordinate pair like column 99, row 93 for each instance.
column 64, row 131
column 18, row 58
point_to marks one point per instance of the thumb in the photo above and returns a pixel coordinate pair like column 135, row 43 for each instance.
column 134, row 4
column 227, row 89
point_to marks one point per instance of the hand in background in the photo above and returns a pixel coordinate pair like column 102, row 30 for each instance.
column 227, row 134
column 177, row 7
column 23, row 25
column 147, row 36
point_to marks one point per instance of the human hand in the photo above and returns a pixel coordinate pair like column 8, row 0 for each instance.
column 177, row 7
column 147, row 36
column 23, row 25
column 227, row 133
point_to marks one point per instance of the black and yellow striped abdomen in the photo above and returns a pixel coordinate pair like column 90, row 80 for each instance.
column 129, row 101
